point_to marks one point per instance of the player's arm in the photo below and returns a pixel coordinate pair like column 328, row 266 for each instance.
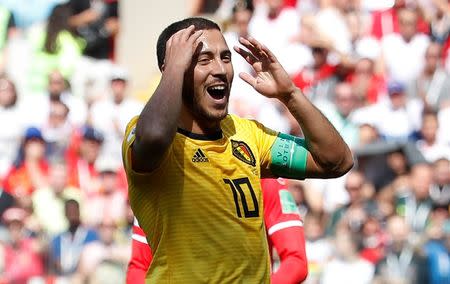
column 285, row 232
column 157, row 122
column 141, row 257
column 323, row 152
column 290, row 246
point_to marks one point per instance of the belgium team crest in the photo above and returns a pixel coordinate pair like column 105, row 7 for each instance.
column 242, row 151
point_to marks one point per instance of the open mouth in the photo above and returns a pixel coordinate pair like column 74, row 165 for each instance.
column 217, row 92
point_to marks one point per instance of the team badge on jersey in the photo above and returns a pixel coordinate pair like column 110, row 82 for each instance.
column 242, row 151
column 287, row 202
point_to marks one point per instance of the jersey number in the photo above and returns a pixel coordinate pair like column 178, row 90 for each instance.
column 236, row 187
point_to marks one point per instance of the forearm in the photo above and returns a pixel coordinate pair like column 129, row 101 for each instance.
column 158, row 120
column 328, row 150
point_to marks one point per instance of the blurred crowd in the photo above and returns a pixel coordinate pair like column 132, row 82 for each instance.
column 379, row 70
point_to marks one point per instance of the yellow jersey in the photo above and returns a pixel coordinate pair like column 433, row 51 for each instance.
column 201, row 209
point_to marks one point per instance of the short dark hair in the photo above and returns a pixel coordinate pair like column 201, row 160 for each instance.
column 198, row 22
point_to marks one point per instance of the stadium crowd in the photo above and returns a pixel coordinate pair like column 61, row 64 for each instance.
column 379, row 71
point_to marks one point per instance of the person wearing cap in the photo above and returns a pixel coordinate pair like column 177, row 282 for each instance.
column 81, row 157
column 396, row 118
column 109, row 193
column 19, row 247
column 111, row 114
column 31, row 168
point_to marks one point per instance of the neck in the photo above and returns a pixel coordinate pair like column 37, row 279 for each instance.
column 202, row 126
column 428, row 72
column 118, row 100
column 273, row 13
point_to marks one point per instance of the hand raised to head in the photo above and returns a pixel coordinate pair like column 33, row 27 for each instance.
column 271, row 79
column 181, row 47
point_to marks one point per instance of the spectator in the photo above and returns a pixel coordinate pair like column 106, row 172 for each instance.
column 81, row 160
column 317, row 80
column 433, row 84
column 354, row 214
column 414, row 203
column 397, row 119
column 319, row 249
column 274, row 25
column 429, row 145
column 386, row 21
column 65, row 248
column 403, row 52
column 104, row 260
column 403, row 262
column 12, row 123
column 31, row 169
column 368, row 86
column 48, row 202
column 97, row 22
column 338, row 112
column 22, row 253
column 57, row 130
column 54, row 47
column 111, row 115
column 108, row 194
column 440, row 189
column 332, row 24
column 347, row 266
column 437, row 253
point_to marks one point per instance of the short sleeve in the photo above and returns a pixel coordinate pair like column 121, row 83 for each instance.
column 280, row 210
column 265, row 137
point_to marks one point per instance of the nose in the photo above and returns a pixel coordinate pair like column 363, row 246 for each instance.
column 219, row 67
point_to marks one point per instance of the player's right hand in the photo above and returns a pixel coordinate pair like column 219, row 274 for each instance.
column 180, row 48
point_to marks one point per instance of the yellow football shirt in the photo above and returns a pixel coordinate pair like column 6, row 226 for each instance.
column 202, row 207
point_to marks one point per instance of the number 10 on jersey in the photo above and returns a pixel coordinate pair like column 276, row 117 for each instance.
column 238, row 187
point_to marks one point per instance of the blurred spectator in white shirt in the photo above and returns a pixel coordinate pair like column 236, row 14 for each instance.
column 347, row 266
column 111, row 115
column 57, row 90
column 403, row 52
column 274, row 25
column 319, row 249
column 57, row 131
column 11, row 120
column 433, row 84
column 338, row 113
column 429, row 144
column 397, row 118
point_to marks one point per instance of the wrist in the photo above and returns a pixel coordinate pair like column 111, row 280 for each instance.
column 291, row 96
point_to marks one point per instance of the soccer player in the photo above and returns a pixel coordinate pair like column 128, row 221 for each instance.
column 194, row 171
column 284, row 232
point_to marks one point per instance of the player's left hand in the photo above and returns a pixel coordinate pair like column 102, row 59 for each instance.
column 271, row 80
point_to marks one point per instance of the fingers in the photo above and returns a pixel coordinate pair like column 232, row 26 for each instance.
column 195, row 36
column 248, row 78
column 258, row 49
column 257, row 52
column 248, row 56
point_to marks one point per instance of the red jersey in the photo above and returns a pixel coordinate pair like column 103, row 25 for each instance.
column 284, row 229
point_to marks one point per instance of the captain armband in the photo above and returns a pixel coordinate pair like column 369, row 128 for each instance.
column 289, row 155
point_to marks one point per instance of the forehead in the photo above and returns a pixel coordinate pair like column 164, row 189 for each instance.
column 212, row 41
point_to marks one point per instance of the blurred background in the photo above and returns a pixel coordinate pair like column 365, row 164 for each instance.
column 73, row 73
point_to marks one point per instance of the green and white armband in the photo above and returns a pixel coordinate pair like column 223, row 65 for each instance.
column 289, row 155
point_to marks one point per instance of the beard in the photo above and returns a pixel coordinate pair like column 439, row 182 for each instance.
column 201, row 114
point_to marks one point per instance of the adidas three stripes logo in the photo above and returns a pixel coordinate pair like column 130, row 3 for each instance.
column 199, row 157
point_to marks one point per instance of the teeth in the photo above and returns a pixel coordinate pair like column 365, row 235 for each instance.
column 218, row 88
